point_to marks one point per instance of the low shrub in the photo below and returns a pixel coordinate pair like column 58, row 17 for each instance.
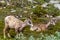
column 56, row 36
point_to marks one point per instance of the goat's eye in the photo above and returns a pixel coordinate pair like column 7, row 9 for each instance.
column 29, row 22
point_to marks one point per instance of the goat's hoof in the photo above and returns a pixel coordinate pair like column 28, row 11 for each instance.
column 4, row 37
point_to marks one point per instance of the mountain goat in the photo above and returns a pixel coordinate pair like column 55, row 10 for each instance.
column 41, row 27
column 13, row 22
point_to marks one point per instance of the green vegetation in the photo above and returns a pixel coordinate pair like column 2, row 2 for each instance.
column 24, row 8
column 42, row 36
column 49, row 33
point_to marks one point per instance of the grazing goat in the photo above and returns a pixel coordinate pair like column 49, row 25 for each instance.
column 13, row 22
column 41, row 27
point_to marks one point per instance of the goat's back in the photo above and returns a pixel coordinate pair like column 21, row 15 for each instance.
column 12, row 21
column 40, row 26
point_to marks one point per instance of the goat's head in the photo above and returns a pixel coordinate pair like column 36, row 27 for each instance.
column 52, row 21
column 28, row 22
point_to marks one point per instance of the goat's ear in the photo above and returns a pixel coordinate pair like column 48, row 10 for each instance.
column 29, row 17
column 17, row 16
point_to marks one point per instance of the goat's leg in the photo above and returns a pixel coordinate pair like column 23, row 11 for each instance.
column 5, row 31
column 8, row 33
column 16, row 30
